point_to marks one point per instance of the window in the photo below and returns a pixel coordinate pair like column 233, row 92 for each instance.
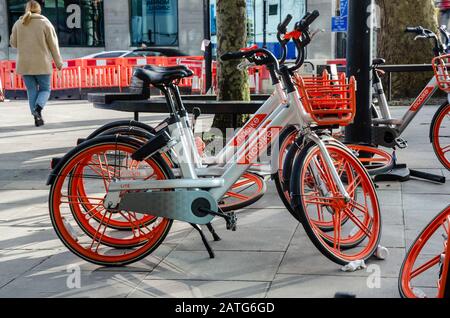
column 154, row 22
column 270, row 15
column 273, row 9
column 77, row 22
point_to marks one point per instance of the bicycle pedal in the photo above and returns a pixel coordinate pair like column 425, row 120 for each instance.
column 230, row 218
column 401, row 143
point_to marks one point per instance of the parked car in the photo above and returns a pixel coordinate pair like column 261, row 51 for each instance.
column 143, row 52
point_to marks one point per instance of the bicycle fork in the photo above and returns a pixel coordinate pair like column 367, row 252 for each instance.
column 329, row 162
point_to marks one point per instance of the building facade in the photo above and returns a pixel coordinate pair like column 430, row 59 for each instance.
column 89, row 26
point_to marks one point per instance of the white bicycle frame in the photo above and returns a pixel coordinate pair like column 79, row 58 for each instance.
column 401, row 124
column 281, row 110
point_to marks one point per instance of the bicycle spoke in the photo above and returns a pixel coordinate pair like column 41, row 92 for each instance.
column 432, row 262
column 353, row 186
column 99, row 229
column 337, row 230
column 237, row 195
column 94, row 214
column 138, row 227
column 358, row 222
column 340, row 167
column 360, row 207
column 326, row 174
column 317, row 200
column 446, row 149
column 242, row 183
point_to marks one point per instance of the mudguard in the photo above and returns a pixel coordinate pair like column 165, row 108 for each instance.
column 60, row 162
column 436, row 114
column 122, row 123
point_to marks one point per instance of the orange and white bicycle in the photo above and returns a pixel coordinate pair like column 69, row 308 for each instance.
column 425, row 270
column 127, row 179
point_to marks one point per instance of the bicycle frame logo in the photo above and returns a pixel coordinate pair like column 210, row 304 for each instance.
column 423, row 97
column 256, row 149
column 248, row 129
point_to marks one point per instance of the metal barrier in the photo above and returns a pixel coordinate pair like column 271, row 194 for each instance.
column 80, row 76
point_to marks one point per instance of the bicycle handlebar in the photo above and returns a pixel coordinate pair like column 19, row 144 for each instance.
column 307, row 20
column 263, row 53
column 414, row 30
column 263, row 56
column 439, row 47
column 234, row 55
column 282, row 27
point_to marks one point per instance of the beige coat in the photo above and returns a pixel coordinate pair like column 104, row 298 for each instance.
column 37, row 45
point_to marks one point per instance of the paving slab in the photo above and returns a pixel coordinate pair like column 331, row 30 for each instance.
column 196, row 265
column 323, row 286
column 304, row 259
column 92, row 284
column 199, row 289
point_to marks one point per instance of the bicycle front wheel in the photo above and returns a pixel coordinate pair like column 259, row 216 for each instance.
column 318, row 201
column 424, row 272
column 440, row 135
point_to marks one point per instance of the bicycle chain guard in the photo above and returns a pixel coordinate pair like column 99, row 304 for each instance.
column 181, row 205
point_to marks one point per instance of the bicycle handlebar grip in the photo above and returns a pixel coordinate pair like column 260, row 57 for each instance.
column 413, row 30
column 232, row 56
column 282, row 27
column 308, row 20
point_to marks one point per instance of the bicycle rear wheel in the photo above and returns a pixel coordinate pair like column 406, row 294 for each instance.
column 375, row 160
column 94, row 239
column 287, row 139
column 247, row 190
column 318, row 200
column 425, row 270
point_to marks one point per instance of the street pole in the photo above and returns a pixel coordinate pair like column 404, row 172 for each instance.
column 208, row 48
column 359, row 59
column 264, row 23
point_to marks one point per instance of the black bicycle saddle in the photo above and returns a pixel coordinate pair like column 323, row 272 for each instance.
column 162, row 75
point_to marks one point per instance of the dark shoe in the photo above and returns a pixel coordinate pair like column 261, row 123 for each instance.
column 39, row 110
column 38, row 121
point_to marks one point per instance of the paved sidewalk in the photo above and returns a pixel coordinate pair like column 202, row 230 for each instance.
column 269, row 255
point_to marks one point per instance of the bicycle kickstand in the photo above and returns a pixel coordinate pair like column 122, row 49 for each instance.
column 215, row 236
column 205, row 242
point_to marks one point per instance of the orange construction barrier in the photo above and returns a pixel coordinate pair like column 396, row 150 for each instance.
column 2, row 74
column 116, row 73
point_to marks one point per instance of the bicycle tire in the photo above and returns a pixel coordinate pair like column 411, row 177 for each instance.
column 414, row 253
column 436, row 122
column 58, row 220
column 318, row 239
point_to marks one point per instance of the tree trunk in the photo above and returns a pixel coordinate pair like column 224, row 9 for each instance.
column 231, row 36
column 398, row 47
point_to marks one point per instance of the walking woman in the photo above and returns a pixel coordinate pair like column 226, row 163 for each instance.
column 37, row 45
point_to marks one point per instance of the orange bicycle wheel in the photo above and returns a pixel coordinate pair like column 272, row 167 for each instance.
column 93, row 239
column 246, row 191
column 98, row 172
column 425, row 270
column 440, row 135
column 317, row 199
column 375, row 160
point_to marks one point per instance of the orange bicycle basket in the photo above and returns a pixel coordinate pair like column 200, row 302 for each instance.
column 441, row 72
column 328, row 101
